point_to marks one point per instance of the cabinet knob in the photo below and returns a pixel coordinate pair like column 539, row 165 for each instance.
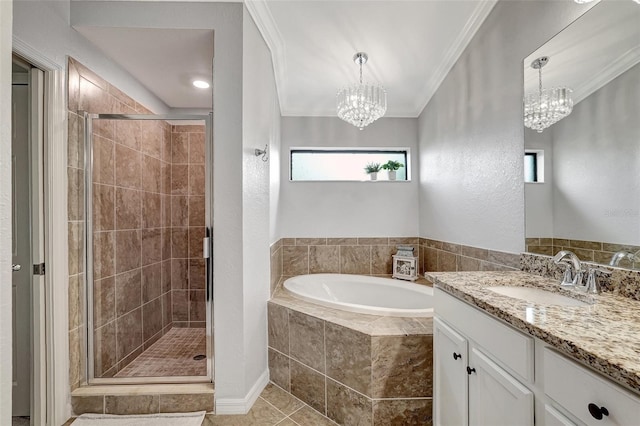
column 470, row 370
column 597, row 412
column 456, row 356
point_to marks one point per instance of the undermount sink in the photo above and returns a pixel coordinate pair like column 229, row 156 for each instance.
column 537, row 295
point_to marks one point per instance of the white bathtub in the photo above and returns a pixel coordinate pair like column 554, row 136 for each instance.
column 363, row 294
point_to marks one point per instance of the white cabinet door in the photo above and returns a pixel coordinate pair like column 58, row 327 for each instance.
column 450, row 381
column 495, row 397
column 553, row 417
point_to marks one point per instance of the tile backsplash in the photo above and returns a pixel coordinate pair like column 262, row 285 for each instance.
column 590, row 251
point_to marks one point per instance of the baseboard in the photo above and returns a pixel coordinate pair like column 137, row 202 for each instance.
column 243, row 405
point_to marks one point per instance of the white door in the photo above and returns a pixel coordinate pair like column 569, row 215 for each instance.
column 21, row 242
column 495, row 397
column 450, row 380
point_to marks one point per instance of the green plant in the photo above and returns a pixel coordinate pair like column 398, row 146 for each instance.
column 372, row 167
column 392, row 165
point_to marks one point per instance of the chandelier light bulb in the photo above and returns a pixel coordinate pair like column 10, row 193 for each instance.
column 201, row 84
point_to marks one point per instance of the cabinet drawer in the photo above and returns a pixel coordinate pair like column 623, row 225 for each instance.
column 511, row 348
column 575, row 387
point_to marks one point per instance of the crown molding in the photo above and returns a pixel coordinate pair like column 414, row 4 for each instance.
column 473, row 24
column 259, row 11
column 616, row 68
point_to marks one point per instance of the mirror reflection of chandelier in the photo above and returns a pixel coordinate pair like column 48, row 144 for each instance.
column 361, row 104
column 547, row 106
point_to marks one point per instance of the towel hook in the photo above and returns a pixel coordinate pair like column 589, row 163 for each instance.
column 263, row 152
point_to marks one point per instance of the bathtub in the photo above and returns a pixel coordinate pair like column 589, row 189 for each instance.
column 364, row 294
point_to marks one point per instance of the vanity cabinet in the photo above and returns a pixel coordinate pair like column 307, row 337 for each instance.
column 477, row 360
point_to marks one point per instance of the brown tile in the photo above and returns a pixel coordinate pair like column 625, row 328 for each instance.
column 588, row 245
column 75, row 241
column 166, row 143
column 197, row 305
column 468, row 264
column 104, row 348
column 103, row 160
column 104, row 128
column 179, row 148
column 503, row 258
column 196, row 148
column 349, row 357
column 75, row 191
column 166, row 244
column 128, row 167
column 311, row 241
column 196, row 180
column 394, row 241
column 275, row 269
column 75, row 301
column 583, row 254
column 308, row 385
column 129, row 333
column 451, row 247
column 197, row 274
column 279, row 369
column 324, row 259
column 288, row 241
column 180, row 243
column 128, row 245
column 346, row 407
column 128, row 133
column 280, row 399
column 151, row 174
column 309, row 417
column 179, row 274
column 128, row 291
column 151, row 210
column 104, row 301
column 165, row 176
column 151, row 246
column 401, row 366
column 295, row 260
column 185, row 403
column 179, row 210
column 188, row 128
column 103, row 207
column 382, row 260
column 151, row 319
column 152, row 138
column 262, row 413
column 379, row 241
column 196, row 234
column 179, row 179
column 180, row 305
column 278, row 324
column 402, row 412
column 619, row 247
column 166, row 276
column 121, row 96
column 446, row 261
column 355, row 260
column 342, row 241
column 131, row 404
column 431, row 259
column 167, row 309
column 151, row 282
column 196, row 211
column 128, row 208
column 104, row 246
column 75, row 147
column 306, row 341
column 73, row 79
column 74, row 357
column 474, row 252
column 87, row 404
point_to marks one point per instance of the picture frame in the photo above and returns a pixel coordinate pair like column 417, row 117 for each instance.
column 404, row 267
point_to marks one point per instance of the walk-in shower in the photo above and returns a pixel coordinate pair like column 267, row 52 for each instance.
column 149, row 307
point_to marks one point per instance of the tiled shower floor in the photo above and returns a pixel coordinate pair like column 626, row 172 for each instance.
column 171, row 355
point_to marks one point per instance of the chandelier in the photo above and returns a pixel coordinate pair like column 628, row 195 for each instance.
column 361, row 104
column 548, row 106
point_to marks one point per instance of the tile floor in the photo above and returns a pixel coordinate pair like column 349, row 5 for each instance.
column 273, row 407
column 20, row 421
column 171, row 355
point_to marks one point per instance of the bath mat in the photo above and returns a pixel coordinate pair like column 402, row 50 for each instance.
column 174, row 419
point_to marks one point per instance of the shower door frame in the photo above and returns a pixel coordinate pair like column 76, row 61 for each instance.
column 207, row 248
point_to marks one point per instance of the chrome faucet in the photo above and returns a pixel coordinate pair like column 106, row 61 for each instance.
column 568, row 277
column 619, row 255
column 593, row 285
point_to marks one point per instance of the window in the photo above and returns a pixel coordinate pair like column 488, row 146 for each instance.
column 337, row 164
column 533, row 166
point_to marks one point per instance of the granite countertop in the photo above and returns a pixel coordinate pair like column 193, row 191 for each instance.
column 604, row 335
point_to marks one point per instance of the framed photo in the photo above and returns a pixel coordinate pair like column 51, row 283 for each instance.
column 404, row 267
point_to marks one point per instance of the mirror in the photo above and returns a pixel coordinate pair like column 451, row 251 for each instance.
column 587, row 199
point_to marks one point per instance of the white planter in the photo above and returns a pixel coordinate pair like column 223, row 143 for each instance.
column 392, row 175
column 373, row 175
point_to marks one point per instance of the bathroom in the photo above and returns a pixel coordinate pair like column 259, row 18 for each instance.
column 466, row 149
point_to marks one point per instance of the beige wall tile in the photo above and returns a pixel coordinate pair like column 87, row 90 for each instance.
column 128, row 245
column 295, row 260
column 128, row 208
column 196, row 235
column 196, row 211
column 151, row 319
column 324, row 259
column 151, row 174
column 474, row 252
column 76, row 249
column 180, row 243
column 128, row 291
column 197, row 306
column 152, row 138
column 179, row 274
column 468, row 264
column 104, row 349
column 342, row 241
column 151, row 246
column 131, row 404
column 446, row 261
column 278, row 325
column 349, row 357
column 74, row 357
column 355, row 260
column 104, row 199
column 179, row 210
column 151, row 282
column 179, row 179
column 186, row 403
column 279, row 370
column 379, row 241
column 196, row 180
column 311, row 241
column 346, row 407
column 403, row 412
column 179, row 148
column 180, row 305
column 128, row 133
column 87, row 404
column 104, row 251
column 382, row 260
column 75, row 302
column 308, row 385
column 151, row 210
column 75, row 198
column 197, row 274
column 306, row 340
column 104, row 301
column 103, row 161
column 128, row 166
column 129, row 333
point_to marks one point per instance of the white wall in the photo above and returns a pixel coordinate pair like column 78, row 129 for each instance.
column 348, row 209
column 596, row 161
column 6, row 380
column 260, row 127
column 471, row 132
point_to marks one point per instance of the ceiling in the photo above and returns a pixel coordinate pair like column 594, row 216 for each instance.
column 412, row 44
column 165, row 61
column 598, row 47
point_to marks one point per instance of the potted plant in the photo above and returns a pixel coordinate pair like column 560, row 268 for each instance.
column 372, row 170
column 392, row 166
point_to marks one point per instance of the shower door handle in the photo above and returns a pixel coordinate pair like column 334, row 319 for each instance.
column 207, row 254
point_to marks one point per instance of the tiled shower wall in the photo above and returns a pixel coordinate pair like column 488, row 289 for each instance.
column 187, row 225
column 373, row 256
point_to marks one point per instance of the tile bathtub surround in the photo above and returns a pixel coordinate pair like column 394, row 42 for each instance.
column 621, row 282
column 353, row 368
column 594, row 251
column 442, row 256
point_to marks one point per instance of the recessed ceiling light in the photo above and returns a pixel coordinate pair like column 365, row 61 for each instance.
column 201, row 84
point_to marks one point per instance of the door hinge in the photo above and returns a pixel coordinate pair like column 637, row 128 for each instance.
column 38, row 269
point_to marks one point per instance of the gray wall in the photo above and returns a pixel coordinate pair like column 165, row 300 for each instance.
column 471, row 132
